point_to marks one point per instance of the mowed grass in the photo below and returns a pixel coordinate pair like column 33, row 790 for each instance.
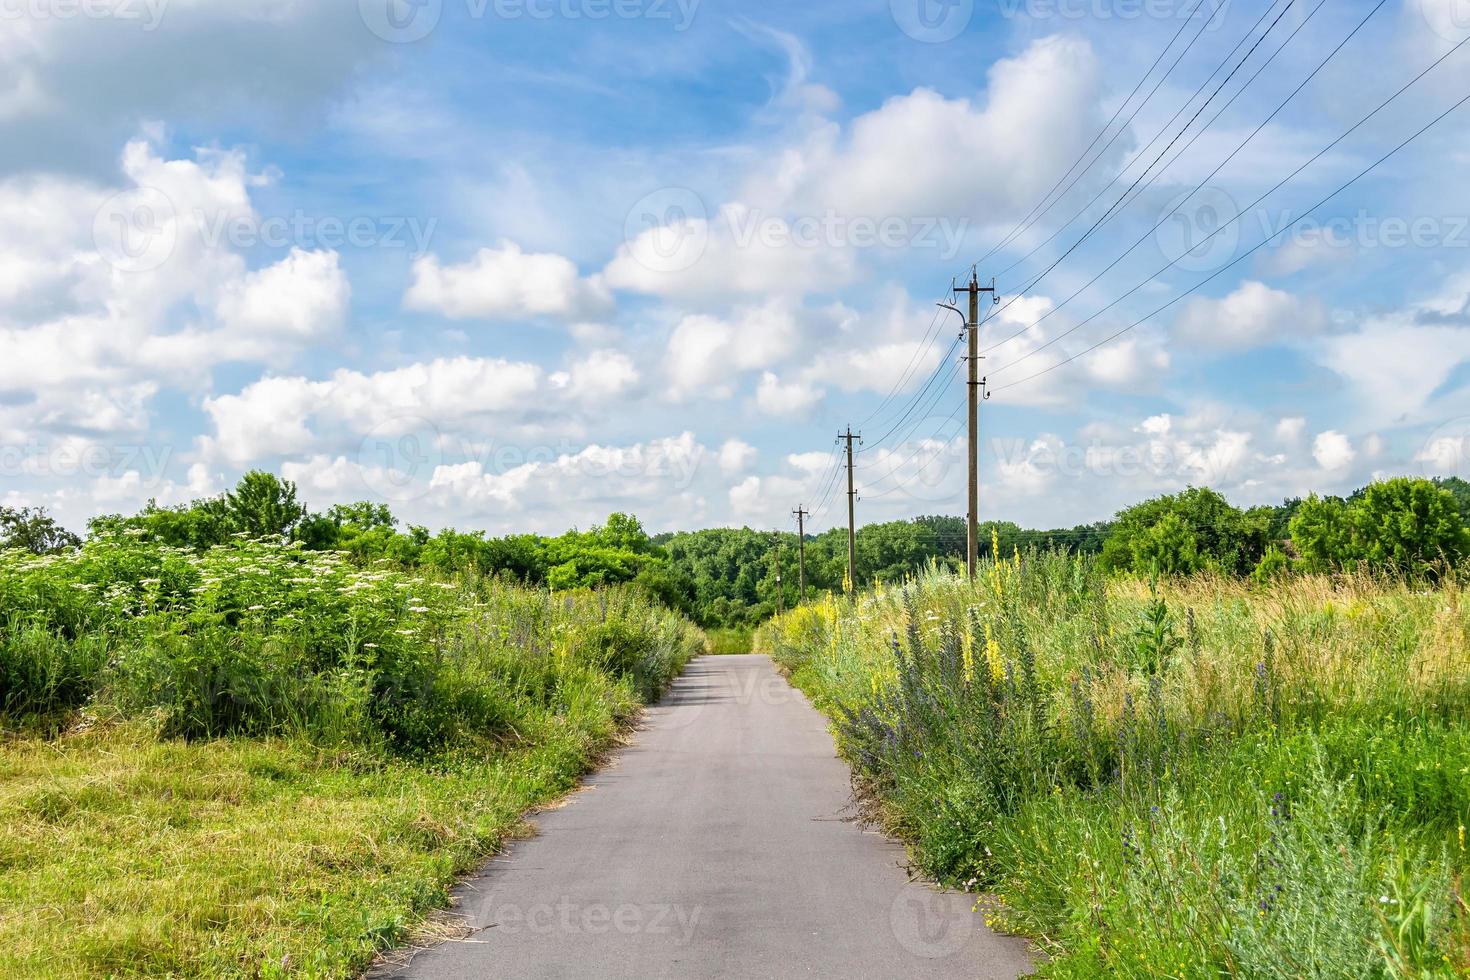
column 260, row 762
column 1198, row 778
column 124, row 855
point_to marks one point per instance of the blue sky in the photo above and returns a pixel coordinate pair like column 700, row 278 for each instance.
column 516, row 265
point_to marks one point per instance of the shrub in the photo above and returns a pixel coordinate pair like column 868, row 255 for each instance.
column 257, row 638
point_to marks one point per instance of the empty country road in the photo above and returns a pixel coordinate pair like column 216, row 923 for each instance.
column 717, row 844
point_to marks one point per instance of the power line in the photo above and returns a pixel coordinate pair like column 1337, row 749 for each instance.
column 918, row 472
column 908, row 436
column 930, row 336
column 1317, row 156
column 1241, row 258
column 1152, row 141
column 1160, row 223
column 914, row 402
column 1250, row 81
column 822, row 475
column 1025, row 223
column 1098, row 223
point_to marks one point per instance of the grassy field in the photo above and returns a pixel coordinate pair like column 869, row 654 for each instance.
column 1193, row 779
column 257, row 761
column 726, row 641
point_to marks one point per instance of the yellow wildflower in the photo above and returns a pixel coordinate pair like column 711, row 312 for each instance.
column 992, row 657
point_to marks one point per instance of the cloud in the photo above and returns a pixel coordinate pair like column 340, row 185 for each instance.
column 504, row 283
column 1333, row 451
column 73, row 86
column 1385, row 360
column 598, row 377
column 114, row 293
column 303, row 297
column 878, row 368
column 775, row 397
column 609, row 476
column 925, row 154
column 706, row 354
column 736, row 456
column 1289, row 430
column 1251, row 316
column 283, row 416
column 1040, row 361
column 910, row 175
column 741, row 251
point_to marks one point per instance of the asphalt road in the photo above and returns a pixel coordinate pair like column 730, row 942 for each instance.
column 718, row 844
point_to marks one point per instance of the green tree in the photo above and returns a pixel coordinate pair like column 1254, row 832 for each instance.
column 1168, row 547
column 262, row 505
column 1322, row 534
column 1200, row 530
column 202, row 524
column 1273, row 565
column 34, row 530
column 1412, row 526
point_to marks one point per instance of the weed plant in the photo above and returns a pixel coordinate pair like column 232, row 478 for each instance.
column 1196, row 777
column 262, row 761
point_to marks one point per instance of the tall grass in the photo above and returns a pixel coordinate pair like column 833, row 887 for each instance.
column 260, row 761
column 1186, row 778
column 262, row 639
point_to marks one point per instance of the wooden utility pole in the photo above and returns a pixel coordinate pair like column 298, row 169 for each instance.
column 851, row 513
column 801, row 515
column 972, row 327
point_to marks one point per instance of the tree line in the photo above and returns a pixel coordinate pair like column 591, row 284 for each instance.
column 738, row 577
